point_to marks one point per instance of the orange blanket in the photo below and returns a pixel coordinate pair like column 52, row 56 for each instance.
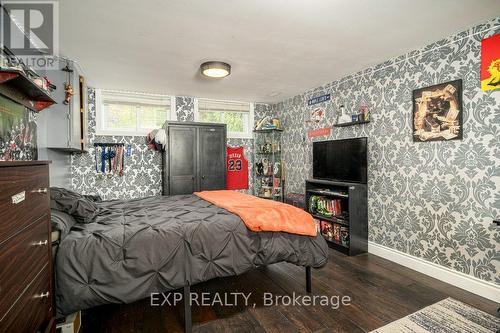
column 261, row 214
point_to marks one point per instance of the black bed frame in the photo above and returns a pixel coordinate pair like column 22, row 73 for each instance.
column 188, row 322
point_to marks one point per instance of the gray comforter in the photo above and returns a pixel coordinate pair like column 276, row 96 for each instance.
column 157, row 244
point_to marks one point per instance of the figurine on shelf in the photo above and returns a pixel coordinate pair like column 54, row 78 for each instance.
column 344, row 117
column 261, row 122
column 265, row 166
column 266, row 148
column 41, row 82
column 260, row 168
column 68, row 89
column 276, row 169
column 50, row 86
column 363, row 111
column 266, row 182
column 267, row 123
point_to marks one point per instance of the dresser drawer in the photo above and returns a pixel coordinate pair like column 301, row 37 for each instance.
column 21, row 258
column 33, row 310
column 24, row 197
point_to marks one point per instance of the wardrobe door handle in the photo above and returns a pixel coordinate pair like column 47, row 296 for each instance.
column 40, row 190
column 202, row 177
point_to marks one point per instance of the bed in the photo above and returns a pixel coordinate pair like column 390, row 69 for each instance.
column 123, row 250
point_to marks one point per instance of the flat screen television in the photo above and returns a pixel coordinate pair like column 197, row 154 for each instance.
column 341, row 160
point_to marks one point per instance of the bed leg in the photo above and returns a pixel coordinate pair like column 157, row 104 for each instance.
column 308, row 279
column 188, row 324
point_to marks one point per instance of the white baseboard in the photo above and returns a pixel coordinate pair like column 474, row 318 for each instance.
column 470, row 283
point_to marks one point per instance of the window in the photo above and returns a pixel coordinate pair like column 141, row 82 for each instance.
column 238, row 116
column 125, row 113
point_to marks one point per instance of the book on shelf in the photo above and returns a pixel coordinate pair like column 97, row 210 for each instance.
column 336, row 232
column 333, row 232
column 325, row 206
column 327, row 230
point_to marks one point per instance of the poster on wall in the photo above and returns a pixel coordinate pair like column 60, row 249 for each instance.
column 437, row 112
column 317, row 114
column 490, row 63
column 17, row 132
column 316, row 108
column 326, row 131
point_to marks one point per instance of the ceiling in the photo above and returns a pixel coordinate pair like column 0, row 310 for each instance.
column 277, row 48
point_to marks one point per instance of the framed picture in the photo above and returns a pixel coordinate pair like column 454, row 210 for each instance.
column 17, row 131
column 437, row 112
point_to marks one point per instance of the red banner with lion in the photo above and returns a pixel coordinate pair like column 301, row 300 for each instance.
column 490, row 63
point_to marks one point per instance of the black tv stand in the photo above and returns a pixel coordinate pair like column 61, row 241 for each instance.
column 351, row 219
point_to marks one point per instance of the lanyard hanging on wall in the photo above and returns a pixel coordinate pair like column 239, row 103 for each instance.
column 109, row 158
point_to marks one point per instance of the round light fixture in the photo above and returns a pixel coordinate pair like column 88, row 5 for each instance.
column 216, row 69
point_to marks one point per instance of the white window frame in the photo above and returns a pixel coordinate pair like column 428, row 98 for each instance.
column 230, row 135
column 127, row 96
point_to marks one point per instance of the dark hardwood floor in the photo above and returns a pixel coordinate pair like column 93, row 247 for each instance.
column 381, row 292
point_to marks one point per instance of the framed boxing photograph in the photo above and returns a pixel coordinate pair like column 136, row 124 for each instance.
column 437, row 112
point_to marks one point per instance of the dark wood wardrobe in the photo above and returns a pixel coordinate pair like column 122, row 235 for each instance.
column 195, row 158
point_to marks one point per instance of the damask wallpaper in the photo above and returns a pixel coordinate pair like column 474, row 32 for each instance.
column 184, row 108
column 432, row 200
column 143, row 169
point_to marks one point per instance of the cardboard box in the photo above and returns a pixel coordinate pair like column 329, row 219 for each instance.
column 71, row 324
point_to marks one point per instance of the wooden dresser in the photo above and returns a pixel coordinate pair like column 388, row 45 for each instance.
column 26, row 284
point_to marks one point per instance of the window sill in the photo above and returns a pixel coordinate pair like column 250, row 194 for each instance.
column 105, row 133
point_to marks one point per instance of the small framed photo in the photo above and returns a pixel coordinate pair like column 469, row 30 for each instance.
column 437, row 112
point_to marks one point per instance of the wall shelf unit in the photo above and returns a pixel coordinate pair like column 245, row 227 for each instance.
column 341, row 210
column 268, row 182
column 70, row 119
column 268, row 130
column 351, row 123
column 19, row 87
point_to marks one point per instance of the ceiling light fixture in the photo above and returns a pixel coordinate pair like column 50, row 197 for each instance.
column 215, row 69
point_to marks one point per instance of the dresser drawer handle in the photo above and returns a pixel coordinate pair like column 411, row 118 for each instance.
column 40, row 190
column 43, row 295
column 41, row 243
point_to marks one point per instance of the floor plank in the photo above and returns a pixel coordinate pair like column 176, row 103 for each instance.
column 381, row 291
